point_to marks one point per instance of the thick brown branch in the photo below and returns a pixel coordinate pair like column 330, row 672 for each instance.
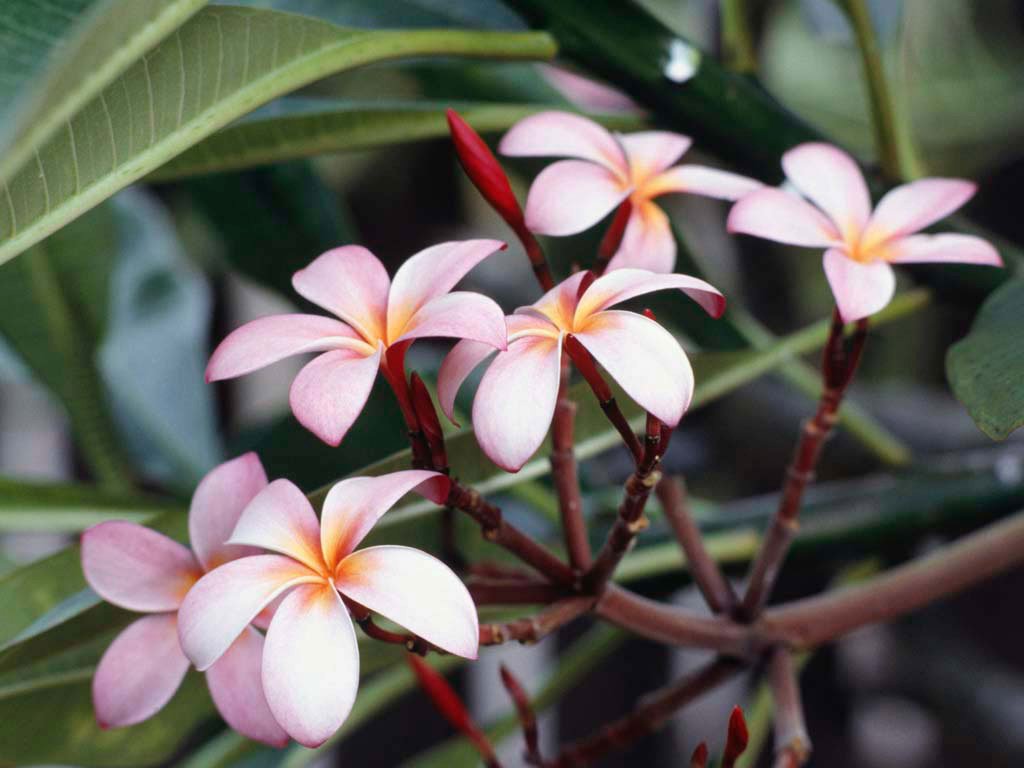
column 504, row 592
column 792, row 744
column 564, row 474
column 533, row 629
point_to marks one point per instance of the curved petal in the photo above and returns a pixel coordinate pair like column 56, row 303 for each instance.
column 623, row 284
column 644, row 359
column 225, row 600
column 139, row 673
column 311, row 664
column 559, row 304
column 776, row 215
column 563, row 134
column 572, row 195
column 651, row 152
column 647, row 242
column 351, row 283
column 584, row 92
column 216, row 506
column 831, row 179
column 329, row 393
column 455, row 369
column 269, row 339
column 516, row 401
column 136, row 568
column 429, row 274
column 912, row 207
column 459, row 315
column 236, row 686
column 415, row 590
column 949, row 249
column 698, row 180
column 281, row 519
column 354, row 506
column 860, row 289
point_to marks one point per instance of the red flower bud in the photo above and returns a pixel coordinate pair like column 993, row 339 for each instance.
column 699, row 759
column 736, row 738
column 484, row 170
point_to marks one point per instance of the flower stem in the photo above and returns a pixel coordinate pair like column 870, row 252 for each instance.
column 565, row 476
column 792, row 744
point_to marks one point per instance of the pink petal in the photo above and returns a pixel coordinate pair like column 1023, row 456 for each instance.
column 572, row 195
column 430, row 274
column 516, row 400
column 949, row 248
column 269, row 339
column 647, row 243
column 644, row 359
column 860, row 289
column 329, row 393
column 281, row 519
column 559, row 304
column 584, row 92
column 833, row 181
column 236, row 685
column 136, row 568
column 698, row 180
column 563, row 134
column 776, row 215
column 139, row 673
column 457, row 365
column 415, row 590
column 651, row 152
column 311, row 664
column 350, row 282
column 622, row 284
column 912, row 207
column 216, row 506
column 459, row 315
column 225, row 600
column 354, row 506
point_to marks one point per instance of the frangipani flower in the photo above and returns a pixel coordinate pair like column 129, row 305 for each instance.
column 860, row 244
column 311, row 660
column 571, row 195
column 516, row 399
column 380, row 315
column 141, row 570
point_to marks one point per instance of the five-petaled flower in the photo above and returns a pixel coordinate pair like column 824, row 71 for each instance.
column 139, row 569
column 572, row 195
column 311, row 659
column 516, row 399
column 860, row 244
column 382, row 317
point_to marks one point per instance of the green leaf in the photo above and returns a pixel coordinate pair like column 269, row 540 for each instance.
column 220, row 65
column 986, row 368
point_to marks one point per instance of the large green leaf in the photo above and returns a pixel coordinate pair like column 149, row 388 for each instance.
column 218, row 66
column 986, row 368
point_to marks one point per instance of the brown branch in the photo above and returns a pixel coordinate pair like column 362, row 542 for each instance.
column 792, row 744
column 364, row 618
column 565, row 476
column 504, row 592
column 533, row 629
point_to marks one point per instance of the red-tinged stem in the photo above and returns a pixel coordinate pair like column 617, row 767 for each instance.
column 533, row 629
column 717, row 591
column 564, row 474
column 792, row 744
column 613, row 237
column 429, row 424
column 538, row 261
column 526, row 715
column 393, row 369
column 364, row 618
column 736, row 738
column 498, row 592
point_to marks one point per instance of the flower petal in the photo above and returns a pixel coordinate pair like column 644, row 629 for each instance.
column 311, row 664
column 948, row 248
column 647, row 243
column 699, row 180
column 136, row 568
column 354, row 506
column 644, row 359
column 622, row 284
column 139, row 673
column 572, row 195
column 563, row 134
column 860, row 289
column 516, row 401
column 415, row 590
column 559, row 304
column 459, row 315
column 269, row 339
column 216, row 506
column 833, row 181
column 430, row 274
column 350, row 282
column 225, row 600
column 651, row 152
column 776, row 215
column 236, row 685
column 281, row 519
column 912, row 207
column 455, row 369
column 329, row 393
column 585, row 93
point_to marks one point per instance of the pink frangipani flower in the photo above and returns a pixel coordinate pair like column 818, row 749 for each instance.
column 516, row 399
column 141, row 570
column 311, row 660
column 861, row 243
column 572, row 195
column 382, row 317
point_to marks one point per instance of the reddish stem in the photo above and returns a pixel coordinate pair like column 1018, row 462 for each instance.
column 792, row 744
column 564, row 474
column 527, row 717
column 613, row 236
column 533, row 629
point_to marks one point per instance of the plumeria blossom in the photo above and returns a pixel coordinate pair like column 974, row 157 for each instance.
column 572, row 195
column 379, row 319
column 311, row 660
column 860, row 244
column 515, row 402
column 141, row 570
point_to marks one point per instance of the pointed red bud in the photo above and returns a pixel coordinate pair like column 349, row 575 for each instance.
column 649, row 314
column 736, row 738
column 484, row 170
column 699, row 758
